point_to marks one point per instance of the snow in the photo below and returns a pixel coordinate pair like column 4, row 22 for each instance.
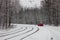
column 31, row 32
column 30, row 3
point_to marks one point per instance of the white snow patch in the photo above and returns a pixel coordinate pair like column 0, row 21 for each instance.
column 30, row 3
column 45, row 33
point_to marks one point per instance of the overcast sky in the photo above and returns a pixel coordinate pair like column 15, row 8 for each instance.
column 30, row 3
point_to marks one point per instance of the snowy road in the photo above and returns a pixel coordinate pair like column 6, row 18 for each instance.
column 19, row 33
column 30, row 32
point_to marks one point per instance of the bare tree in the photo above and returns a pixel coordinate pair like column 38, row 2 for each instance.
column 52, row 9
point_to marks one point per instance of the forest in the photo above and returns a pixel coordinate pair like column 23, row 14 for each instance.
column 12, row 12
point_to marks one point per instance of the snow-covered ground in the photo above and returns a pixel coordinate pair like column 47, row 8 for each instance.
column 31, row 32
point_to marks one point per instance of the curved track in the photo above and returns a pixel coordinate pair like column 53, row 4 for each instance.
column 13, row 32
column 30, row 34
column 20, row 33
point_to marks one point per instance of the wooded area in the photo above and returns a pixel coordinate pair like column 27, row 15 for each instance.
column 52, row 8
column 12, row 12
column 7, row 11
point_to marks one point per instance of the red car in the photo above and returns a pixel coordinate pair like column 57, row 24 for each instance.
column 40, row 24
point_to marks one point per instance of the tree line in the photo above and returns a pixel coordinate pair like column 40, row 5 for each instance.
column 12, row 12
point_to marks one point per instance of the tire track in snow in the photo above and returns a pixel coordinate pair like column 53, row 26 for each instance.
column 30, row 34
column 17, row 31
column 17, row 38
column 25, row 31
column 8, row 32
